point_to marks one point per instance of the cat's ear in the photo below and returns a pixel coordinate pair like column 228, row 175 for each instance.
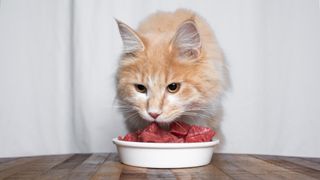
column 187, row 40
column 131, row 41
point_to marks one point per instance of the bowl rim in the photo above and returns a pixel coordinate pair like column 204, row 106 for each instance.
column 149, row 145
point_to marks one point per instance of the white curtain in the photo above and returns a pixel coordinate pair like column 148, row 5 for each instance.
column 58, row 59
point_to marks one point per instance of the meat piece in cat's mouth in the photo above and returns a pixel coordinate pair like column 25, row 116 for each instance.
column 179, row 129
column 179, row 132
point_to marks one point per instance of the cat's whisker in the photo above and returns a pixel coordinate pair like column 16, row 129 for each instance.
column 178, row 123
column 202, row 111
column 134, row 114
column 121, row 106
column 196, row 114
column 175, row 114
column 126, row 110
column 131, row 112
column 125, row 107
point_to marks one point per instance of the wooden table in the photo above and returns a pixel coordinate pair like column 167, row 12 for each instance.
column 107, row 166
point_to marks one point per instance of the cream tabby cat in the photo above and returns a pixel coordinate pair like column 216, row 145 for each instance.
column 171, row 69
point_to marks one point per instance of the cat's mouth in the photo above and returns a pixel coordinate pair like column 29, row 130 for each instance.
column 161, row 118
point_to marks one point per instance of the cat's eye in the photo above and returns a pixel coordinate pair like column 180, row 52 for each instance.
column 173, row 87
column 140, row 88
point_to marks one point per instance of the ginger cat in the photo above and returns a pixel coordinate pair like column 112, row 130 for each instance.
column 171, row 69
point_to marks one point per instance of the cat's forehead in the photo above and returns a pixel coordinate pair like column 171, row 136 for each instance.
column 157, row 66
column 157, row 45
column 154, row 74
column 156, row 80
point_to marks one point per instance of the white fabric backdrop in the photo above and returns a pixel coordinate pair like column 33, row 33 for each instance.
column 58, row 59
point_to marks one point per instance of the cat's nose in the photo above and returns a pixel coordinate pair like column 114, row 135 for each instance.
column 154, row 115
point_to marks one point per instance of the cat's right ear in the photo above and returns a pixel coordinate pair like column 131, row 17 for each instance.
column 187, row 40
column 131, row 41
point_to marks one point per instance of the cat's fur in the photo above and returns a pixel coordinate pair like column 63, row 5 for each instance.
column 171, row 47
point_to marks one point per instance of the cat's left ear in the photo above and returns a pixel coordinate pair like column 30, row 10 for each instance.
column 187, row 40
column 131, row 40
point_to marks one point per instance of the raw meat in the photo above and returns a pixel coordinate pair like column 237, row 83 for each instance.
column 179, row 132
column 179, row 129
column 153, row 133
column 199, row 134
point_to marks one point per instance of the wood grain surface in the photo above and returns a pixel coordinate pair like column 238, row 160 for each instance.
column 108, row 166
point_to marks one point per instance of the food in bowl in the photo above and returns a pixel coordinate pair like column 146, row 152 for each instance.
column 179, row 132
column 180, row 146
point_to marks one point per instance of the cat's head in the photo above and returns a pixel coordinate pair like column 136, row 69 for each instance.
column 163, row 76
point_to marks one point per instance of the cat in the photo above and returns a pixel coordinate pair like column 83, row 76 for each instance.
column 171, row 69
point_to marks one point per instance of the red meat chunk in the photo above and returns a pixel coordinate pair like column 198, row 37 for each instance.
column 153, row 133
column 179, row 128
column 133, row 136
column 199, row 134
column 152, row 128
column 179, row 133
column 161, row 137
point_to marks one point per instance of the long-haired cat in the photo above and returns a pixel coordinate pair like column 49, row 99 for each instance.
column 171, row 69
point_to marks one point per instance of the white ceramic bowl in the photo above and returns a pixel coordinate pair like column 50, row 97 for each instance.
column 165, row 155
